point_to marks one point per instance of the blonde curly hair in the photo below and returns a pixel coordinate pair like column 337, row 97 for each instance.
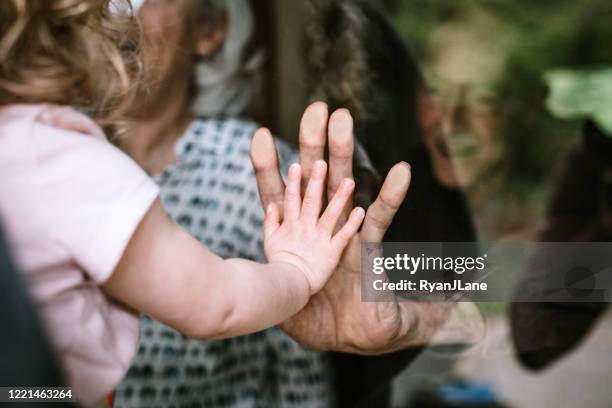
column 70, row 52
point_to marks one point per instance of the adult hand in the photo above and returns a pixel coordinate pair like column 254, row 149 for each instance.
column 336, row 318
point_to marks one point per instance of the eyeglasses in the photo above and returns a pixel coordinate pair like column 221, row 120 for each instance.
column 478, row 98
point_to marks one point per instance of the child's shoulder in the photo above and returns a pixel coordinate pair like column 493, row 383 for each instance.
column 32, row 131
column 17, row 123
column 48, row 141
column 26, row 121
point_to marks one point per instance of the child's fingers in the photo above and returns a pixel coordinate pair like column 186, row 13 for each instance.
column 332, row 213
column 349, row 229
column 313, row 197
column 293, row 202
column 271, row 220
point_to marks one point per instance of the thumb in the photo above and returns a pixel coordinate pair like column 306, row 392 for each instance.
column 391, row 196
column 265, row 162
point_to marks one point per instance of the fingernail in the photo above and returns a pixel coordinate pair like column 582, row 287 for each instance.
column 341, row 123
column 407, row 165
column 343, row 114
column 269, row 209
column 316, row 118
column 319, row 166
column 347, row 184
column 320, row 106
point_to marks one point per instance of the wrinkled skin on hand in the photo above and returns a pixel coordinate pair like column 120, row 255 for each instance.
column 336, row 319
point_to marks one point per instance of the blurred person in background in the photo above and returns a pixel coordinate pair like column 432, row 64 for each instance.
column 190, row 131
column 465, row 64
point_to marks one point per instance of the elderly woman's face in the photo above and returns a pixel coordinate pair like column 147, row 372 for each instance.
column 168, row 43
column 463, row 71
column 174, row 34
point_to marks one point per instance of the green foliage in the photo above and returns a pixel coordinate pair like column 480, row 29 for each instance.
column 581, row 94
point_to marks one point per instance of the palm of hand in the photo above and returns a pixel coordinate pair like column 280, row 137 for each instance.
column 304, row 239
column 301, row 249
column 340, row 319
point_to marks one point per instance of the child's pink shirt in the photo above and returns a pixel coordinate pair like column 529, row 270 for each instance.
column 69, row 204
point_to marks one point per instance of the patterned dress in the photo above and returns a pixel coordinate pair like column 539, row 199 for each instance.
column 211, row 191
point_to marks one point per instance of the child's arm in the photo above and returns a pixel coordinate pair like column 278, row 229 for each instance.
column 170, row 276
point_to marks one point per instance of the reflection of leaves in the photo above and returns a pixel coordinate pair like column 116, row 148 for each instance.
column 577, row 94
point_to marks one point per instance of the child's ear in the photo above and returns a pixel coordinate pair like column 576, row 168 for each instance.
column 210, row 39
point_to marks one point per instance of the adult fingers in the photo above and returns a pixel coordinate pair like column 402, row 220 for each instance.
column 312, row 137
column 341, row 145
column 265, row 162
column 380, row 214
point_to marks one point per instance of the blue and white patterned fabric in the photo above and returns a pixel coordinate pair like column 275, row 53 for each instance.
column 212, row 192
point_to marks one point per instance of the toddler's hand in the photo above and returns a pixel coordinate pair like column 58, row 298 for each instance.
column 305, row 238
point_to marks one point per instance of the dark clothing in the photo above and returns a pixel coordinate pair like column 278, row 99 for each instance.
column 26, row 358
column 578, row 210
